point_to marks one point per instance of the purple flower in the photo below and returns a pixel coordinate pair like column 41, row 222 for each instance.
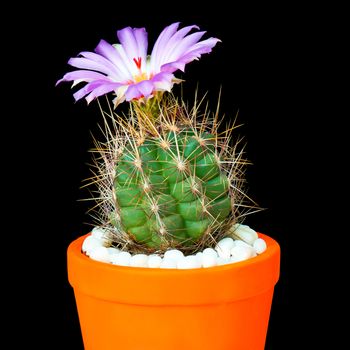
column 125, row 68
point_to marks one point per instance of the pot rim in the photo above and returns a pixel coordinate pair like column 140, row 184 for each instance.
column 272, row 247
column 168, row 286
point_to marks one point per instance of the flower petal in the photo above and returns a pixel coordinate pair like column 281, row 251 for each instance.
column 128, row 62
column 163, row 81
column 208, row 43
column 111, row 53
column 85, row 63
column 105, row 62
column 102, row 90
column 173, row 49
column 194, row 53
column 87, row 89
column 173, row 66
column 141, row 37
column 134, row 42
column 180, row 47
column 127, row 39
column 132, row 93
column 120, row 92
column 160, row 43
column 146, row 88
column 83, row 75
column 174, row 41
column 139, row 90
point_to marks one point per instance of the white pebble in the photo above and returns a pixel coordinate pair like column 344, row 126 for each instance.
column 223, row 261
column 98, row 232
column 240, row 253
column 122, row 259
column 210, row 251
column 226, row 243
column 225, row 254
column 244, row 244
column 245, row 233
column 189, row 262
column 209, row 260
column 240, row 243
column 100, row 254
column 224, row 246
column 112, row 250
column 90, row 243
column 154, row 261
column 260, row 246
column 199, row 257
column 174, row 254
column 139, row 260
column 234, row 259
column 168, row 263
column 113, row 258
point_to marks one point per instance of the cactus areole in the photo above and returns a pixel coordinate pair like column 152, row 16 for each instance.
column 167, row 174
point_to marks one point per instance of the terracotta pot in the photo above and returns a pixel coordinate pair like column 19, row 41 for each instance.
column 222, row 308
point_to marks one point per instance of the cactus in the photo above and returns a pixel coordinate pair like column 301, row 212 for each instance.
column 166, row 175
column 168, row 178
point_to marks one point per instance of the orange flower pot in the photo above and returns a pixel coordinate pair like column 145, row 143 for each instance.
column 219, row 308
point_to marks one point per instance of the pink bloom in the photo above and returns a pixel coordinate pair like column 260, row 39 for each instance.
column 125, row 68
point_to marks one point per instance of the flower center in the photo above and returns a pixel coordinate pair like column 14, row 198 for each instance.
column 141, row 75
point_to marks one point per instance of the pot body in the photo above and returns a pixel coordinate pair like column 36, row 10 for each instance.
column 223, row 308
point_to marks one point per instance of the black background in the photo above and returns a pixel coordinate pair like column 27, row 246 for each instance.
column 260, row 64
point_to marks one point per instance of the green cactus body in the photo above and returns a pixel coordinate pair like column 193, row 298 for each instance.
column 171, row 189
